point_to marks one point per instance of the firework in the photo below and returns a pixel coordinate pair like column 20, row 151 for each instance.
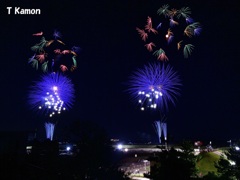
column 156, row 86
column 49, row 127
column 170, row 29
column 164, row 129
column 53, row 55
column 51, row 95
column 158, row 129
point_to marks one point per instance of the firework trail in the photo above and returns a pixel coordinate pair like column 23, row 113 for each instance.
column 158, row 129
column 49, row 127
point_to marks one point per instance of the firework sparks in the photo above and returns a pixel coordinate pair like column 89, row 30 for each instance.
column 156, row 86
column 53, row 94
column 60, row 59
column 172, row 26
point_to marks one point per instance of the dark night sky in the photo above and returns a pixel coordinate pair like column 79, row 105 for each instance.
column 111, row 49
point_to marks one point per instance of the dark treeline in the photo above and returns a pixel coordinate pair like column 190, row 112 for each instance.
column 95, row 158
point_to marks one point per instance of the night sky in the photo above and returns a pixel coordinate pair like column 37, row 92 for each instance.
column 208, row 107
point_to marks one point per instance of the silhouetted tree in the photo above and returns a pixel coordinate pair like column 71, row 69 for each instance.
column 95, row 159
column 173, row 164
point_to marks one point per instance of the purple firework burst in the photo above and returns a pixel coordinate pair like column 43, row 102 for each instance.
column 53, row 94
column 57, row 34
column 156, row 86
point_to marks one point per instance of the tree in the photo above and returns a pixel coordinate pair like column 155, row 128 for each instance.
column 174, row 164
column 228, row 166
column 96, row 158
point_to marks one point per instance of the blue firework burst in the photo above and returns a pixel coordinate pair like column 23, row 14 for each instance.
column 51, row 95
column 155, row 86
